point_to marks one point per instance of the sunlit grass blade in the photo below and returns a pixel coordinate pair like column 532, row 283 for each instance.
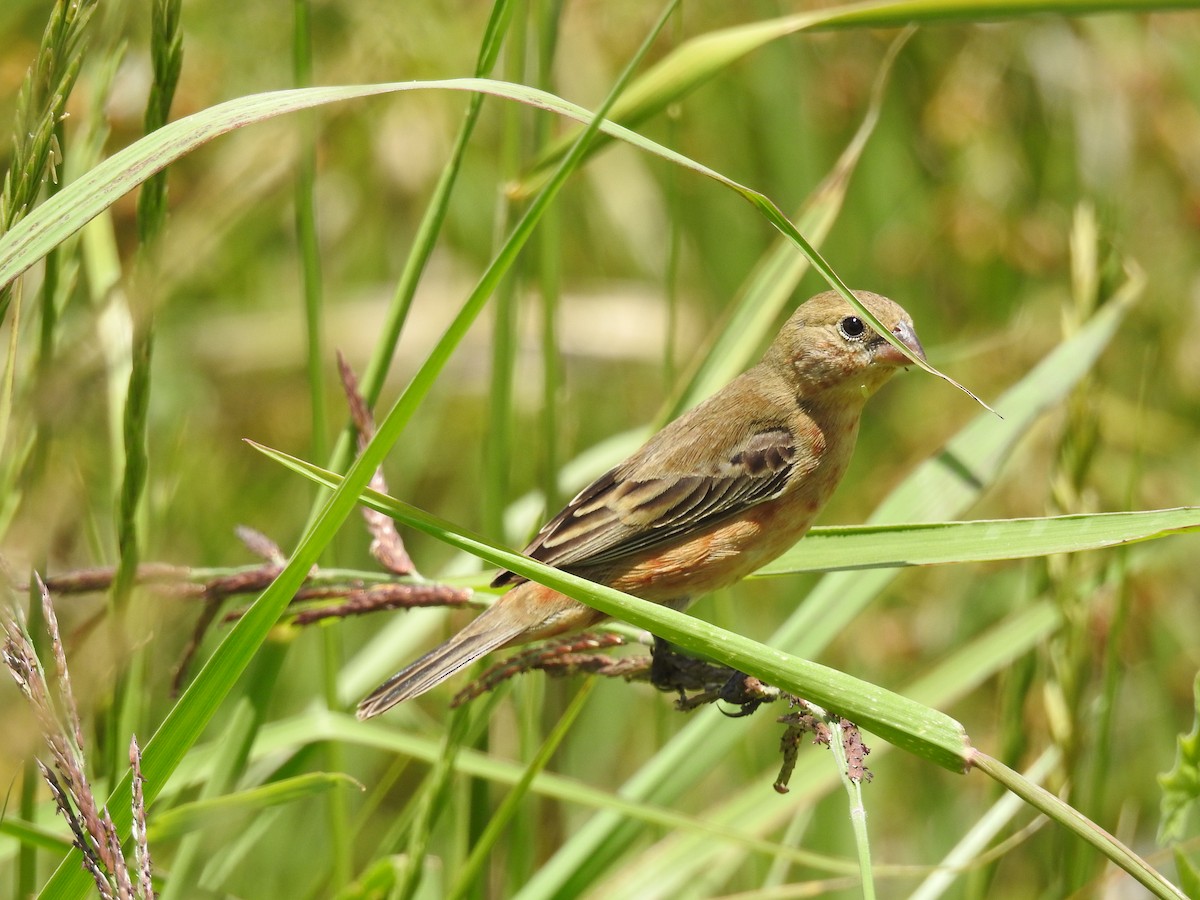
column 935, row 543
column 98, row 188
column 924, row 731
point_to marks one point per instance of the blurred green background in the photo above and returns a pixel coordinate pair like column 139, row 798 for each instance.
column 994, row 141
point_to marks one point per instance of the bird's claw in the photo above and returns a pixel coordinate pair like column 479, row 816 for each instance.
column 747, row 693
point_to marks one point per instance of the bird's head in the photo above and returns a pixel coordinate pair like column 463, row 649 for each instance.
column 827, row 346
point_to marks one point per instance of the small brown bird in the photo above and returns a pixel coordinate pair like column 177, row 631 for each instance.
column 718, row 493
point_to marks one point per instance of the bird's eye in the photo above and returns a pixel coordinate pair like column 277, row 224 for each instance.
column 852, row 327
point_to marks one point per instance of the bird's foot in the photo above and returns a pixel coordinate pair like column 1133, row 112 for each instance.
column 673, row 671
column 747, row 693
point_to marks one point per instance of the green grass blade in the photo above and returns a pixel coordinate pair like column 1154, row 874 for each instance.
column 218, row 811
column 924, row 731
column 1058, row 810
column 97, row 189
column 903, row 12
column 937, row 543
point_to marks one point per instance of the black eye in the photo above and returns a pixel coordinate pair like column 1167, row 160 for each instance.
column 852, row 327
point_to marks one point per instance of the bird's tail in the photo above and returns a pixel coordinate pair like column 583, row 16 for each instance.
column 485, row 633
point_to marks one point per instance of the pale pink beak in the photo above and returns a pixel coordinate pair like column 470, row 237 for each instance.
column 888, row 355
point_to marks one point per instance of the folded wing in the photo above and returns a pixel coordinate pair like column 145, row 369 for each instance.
column 625, row 512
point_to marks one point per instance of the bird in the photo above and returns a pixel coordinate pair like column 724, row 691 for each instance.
column 716, row 494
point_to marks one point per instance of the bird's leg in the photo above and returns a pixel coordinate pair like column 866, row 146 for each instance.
column 671, row 670
column 664, row 666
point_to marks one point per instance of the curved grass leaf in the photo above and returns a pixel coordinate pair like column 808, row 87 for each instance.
column 75, row 205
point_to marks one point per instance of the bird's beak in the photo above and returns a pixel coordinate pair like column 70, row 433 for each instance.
column 888, row 355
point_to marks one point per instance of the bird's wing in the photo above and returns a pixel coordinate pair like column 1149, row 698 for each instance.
column 629, row 510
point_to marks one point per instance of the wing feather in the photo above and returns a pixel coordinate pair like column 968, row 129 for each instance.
column 622, row 512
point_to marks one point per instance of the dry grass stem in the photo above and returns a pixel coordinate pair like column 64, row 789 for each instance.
column 386, row 543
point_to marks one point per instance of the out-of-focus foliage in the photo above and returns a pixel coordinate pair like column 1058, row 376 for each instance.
column 996, row 143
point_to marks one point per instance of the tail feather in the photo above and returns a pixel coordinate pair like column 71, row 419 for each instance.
column 483, row 635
